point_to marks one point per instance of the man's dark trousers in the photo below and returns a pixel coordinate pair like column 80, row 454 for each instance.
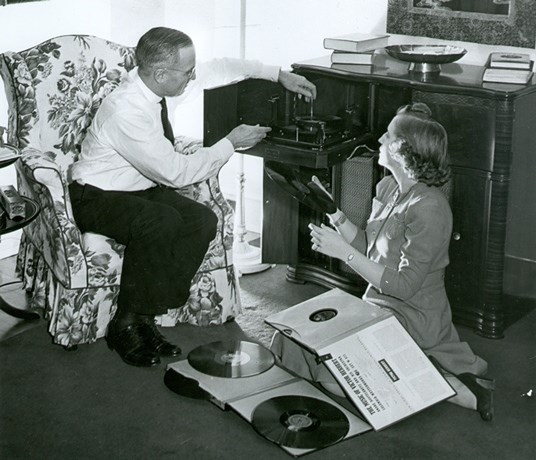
column 166, row 236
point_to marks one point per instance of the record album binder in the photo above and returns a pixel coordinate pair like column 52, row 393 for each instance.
column 381, row 369
column 281, row 407
column 379, row 366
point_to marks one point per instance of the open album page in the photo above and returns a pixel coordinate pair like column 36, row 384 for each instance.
column 326, row 318
column 385, row 373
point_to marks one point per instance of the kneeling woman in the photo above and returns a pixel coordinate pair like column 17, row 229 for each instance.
column 402, row 254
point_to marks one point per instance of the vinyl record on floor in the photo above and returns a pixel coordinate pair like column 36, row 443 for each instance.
column 232, row 359
column 306, row 192
column 300, row 422
column 184, row 386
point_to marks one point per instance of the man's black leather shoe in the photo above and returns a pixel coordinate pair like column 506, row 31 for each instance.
column 130, row 345
column 156, row 342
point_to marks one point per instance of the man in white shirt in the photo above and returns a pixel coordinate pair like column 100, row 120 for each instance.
column 124, row 181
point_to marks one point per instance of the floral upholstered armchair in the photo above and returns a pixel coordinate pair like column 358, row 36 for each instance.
column 53, row 91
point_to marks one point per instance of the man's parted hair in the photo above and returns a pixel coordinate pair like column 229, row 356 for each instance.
column 159, row 46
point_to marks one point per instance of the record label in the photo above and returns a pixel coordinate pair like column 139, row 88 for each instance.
column 300, row 422
column 231, row 359
column 323, row 315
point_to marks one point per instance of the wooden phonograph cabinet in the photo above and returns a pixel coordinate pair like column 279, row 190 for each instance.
column 491, row 129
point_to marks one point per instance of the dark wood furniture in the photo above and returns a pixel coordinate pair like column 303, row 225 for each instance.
column 8, row 225
column 491, row 145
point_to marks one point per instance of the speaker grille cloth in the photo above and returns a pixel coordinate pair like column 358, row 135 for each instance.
column 358, row 181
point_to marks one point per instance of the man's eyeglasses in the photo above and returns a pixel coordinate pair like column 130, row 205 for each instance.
column 189, row 73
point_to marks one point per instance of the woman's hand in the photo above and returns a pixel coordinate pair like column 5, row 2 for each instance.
column 329, row 242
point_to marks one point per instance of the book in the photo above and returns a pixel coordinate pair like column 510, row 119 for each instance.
column 515, row 76
column 356, row 42
column 379, row 366
column 354, row 68
column 510, row 61
column 342, row 57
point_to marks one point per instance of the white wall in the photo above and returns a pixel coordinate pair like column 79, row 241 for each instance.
column 283, row 32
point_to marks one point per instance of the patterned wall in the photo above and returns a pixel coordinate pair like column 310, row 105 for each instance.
column 518, row 29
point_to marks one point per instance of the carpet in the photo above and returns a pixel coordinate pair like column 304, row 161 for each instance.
column 88, row 404
column 257, row 305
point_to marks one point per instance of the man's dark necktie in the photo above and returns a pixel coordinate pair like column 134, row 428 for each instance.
column 168, row 130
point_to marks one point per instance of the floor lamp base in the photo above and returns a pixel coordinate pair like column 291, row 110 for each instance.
column 247, row 259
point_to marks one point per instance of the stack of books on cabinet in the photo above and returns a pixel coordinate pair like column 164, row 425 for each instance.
column 513, row 68
column 354, row 49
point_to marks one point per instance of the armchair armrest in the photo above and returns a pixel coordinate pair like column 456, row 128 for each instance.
column 54, row 232
column 209, row 193
column 44, row 170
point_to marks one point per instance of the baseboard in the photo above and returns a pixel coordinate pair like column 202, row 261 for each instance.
column 519, row 277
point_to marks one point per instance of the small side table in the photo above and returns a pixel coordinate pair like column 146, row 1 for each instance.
column 6, row 226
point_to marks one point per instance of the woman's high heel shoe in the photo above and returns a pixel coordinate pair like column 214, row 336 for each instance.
column 482, row 388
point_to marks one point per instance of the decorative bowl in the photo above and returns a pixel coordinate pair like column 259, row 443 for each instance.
column 426, row 58
column 8, row 154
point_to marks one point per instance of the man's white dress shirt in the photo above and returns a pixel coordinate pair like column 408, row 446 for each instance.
column 125, row 148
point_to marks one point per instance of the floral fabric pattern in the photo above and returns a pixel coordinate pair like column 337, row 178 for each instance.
column 54, row 90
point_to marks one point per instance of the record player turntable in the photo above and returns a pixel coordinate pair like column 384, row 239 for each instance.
column 316, row 137
column 313, row 131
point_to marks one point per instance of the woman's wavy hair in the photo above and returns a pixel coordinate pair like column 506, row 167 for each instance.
column 422, row 143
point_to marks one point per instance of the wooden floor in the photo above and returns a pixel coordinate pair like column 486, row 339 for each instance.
column 15, row 296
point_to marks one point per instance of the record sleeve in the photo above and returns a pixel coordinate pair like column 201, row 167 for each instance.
column 306, row 192
column 326, row 318
column 304, row 391
column 243, row 395
column 222, row 390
